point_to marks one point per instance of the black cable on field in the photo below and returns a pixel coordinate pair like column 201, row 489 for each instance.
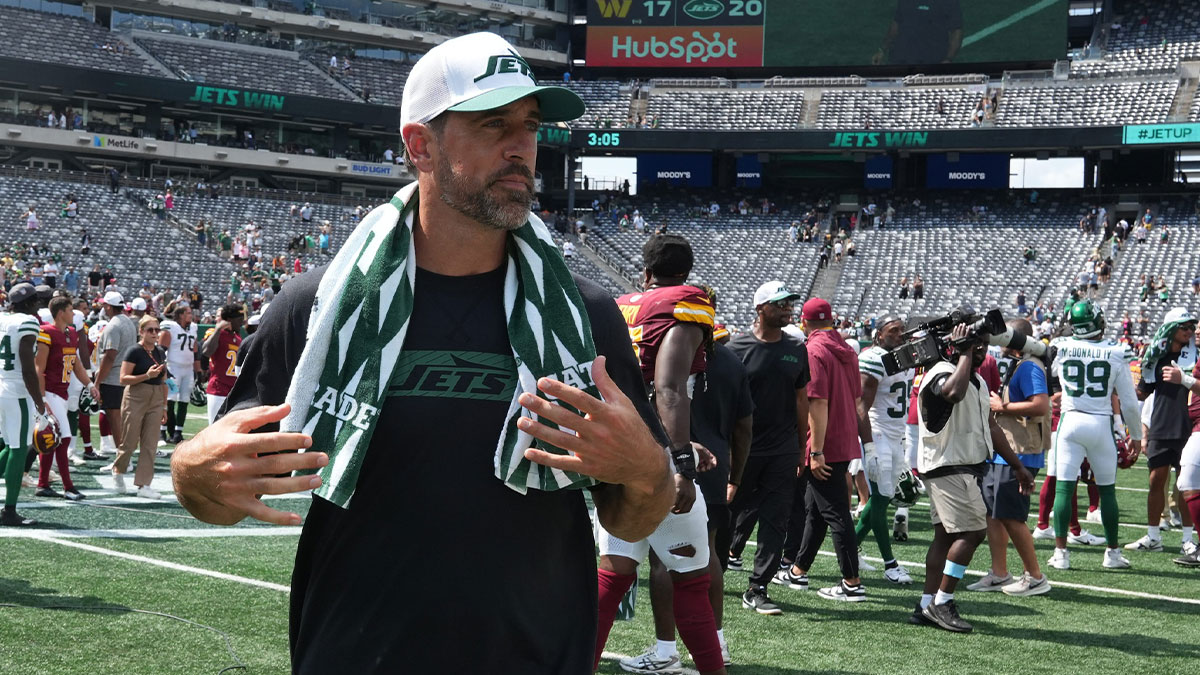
column 238, row 665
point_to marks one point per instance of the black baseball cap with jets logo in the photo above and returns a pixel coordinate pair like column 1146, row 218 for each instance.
column 476, row 72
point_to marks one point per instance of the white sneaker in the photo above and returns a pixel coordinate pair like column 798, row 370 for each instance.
column 1176, row 520
column 107, row 447
column 1043, row 532
column 863, row 565
column 1164, row 525
column 725, row 655
column 119, row 483
column 897, row 575
column 857, row 511
column 147, row 492
column 990, row 582
column 1094, row 517
column 1027, row 585
column 1061, row 560
column 1113, row 559
column 1188, row 548
column 650, row 662
column 28, row 481
column 76, row 459
column 1145, row 544
column 1085, row 538
column 54, row 477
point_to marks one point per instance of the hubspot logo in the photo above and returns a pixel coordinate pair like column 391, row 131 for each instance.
column 611, row 8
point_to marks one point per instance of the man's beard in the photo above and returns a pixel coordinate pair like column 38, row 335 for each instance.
column 477, row 202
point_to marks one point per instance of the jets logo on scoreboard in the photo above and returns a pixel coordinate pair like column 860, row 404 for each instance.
column 614, row 8
column 703, row 10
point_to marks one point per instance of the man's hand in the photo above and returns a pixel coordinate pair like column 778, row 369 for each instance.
column 1172, row 374
column 816, row 464
column 220, row 474
column 610, row 442
column 94, row 391
column 960, row 332
column 730, row 492
column 706, row 461
column 1135, row 449
column 1024, row 479
column 222, row 325
column 685, row 495
column 996, row 403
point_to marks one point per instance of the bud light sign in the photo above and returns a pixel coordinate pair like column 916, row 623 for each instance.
column 690, row 169
column 972, row 170
column 878, row 172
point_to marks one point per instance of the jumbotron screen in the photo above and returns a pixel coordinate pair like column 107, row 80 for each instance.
column 799, row 33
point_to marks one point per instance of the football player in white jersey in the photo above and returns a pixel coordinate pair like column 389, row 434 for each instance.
column 21, row 402
column 1090, row 369
column 884, row 405
column 178, row 338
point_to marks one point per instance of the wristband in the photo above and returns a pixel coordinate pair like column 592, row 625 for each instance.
column 685, row 461
column 1187, row 380
column 816, row 453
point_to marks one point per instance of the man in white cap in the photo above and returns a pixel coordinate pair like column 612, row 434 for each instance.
column 117, row 338
column 427, row 349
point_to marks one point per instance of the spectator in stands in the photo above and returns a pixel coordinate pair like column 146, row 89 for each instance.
column 1021, row 308
column 1143, row 322
column 143, row 374
column 195, row 299
column 838, row 249
column 50, row 273
column 114, row 180
column 1126, row 326
column 1164, row 236
column 169, row 200
column 51, row 119
column 918, row 288
column 1148, row 219
column 306, row 212
column 31, row 218
column 333, row 64
column 389, row 156
column 823, row 259
column 904, row 287
column 71, row 281
column 95, row 279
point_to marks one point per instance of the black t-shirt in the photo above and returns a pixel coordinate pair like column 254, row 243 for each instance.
column 776, row 370
column 925, row 27
column 94, row 278
column 143, row 360
column 371, row 588
column 1169, row 417
column 723, row 400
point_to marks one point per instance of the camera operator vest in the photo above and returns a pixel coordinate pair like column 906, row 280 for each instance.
column 1026, row 435
column 965, row 440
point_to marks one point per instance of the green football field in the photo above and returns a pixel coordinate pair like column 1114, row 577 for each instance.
column 91, row 590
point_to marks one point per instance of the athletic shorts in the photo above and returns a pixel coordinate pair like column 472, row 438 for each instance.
column 1165, row 452
column 886, row 464
column 16, row 422
column 110, row 396
column 676, row 531
column 73, row 391
column 57, row 406
column 956, row 502
column 1002, row 494
column 214, row 405
column 183, row 386
column 1189, row 465
column 1082, row 436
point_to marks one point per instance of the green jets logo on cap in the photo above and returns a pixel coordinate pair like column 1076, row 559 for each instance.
column 506, row 63
column 703, row 10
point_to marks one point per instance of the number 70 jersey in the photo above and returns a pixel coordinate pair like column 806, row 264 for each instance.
column 889, row 411
column 1091, row 372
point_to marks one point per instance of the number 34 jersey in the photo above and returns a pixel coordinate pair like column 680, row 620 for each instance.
column 889, row 410
column 1090, row 372
column 14, row 328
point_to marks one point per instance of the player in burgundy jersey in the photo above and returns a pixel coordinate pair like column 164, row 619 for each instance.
column 57, row 359
column 220, row 348
column 669, row 325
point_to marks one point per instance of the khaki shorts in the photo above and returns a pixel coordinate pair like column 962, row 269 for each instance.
column 956, row 502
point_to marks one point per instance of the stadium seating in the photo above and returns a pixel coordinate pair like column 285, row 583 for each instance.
column 606, row 105
column 1138, row 101
column 383, row 78
column 241, row 66
column 907, row 108
column 74, row 41
column 732, row 109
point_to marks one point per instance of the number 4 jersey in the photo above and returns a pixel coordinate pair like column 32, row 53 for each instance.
column 1090, row 372
column 889, row 410
column 14, row 328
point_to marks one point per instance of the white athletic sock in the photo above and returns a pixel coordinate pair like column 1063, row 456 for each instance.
column 902, row 511
column 1153, row 532
column 721, row 636
column 1187, row 533
column 926, row 600
column 665, row 649
column 942, row 598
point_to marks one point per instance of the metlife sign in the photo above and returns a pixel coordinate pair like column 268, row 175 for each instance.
column 972, row 170
column 690, row 169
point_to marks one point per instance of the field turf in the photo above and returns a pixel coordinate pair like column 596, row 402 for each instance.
column 68, row 592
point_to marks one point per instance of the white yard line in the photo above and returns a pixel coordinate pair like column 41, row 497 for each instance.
column 152, row 533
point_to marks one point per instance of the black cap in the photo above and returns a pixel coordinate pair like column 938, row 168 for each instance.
column 44, row 292
column 21, row 293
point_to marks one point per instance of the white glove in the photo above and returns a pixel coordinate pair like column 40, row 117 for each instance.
column 870, row 461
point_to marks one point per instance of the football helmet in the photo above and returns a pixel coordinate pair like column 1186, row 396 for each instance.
column 198, row 397
column 46, row 434
column 1125, row 456
column 1087, row 319
column 88, row 405
column 907, row 492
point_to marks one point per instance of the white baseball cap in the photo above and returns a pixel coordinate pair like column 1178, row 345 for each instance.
column 114, row 298
column 773, row 291
column 77, row 320
column 1179, row 315
column 44, row 315
column 138, row 305
column 474, row 72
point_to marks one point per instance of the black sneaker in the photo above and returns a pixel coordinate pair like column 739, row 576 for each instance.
column 917, row 618
column 756, row 598
column 177, row 438
column 1190, row 560
column 946, row 617
column 162, row 435
column 74, row 495
column 796, row 582
column 93, row 456
column 734, row 562
column 47, row 492
column 10, row 518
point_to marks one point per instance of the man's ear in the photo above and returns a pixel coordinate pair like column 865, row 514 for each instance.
column 417, row 141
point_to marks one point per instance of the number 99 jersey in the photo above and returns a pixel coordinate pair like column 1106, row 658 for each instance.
column 1090, row 372
column 889, row 410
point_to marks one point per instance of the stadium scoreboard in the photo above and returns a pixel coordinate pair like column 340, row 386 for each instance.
column 791, row 33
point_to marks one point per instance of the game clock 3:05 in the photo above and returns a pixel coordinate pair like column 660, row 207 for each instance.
column 610, row 139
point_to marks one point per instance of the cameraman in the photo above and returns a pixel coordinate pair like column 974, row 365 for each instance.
column 958, row 435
